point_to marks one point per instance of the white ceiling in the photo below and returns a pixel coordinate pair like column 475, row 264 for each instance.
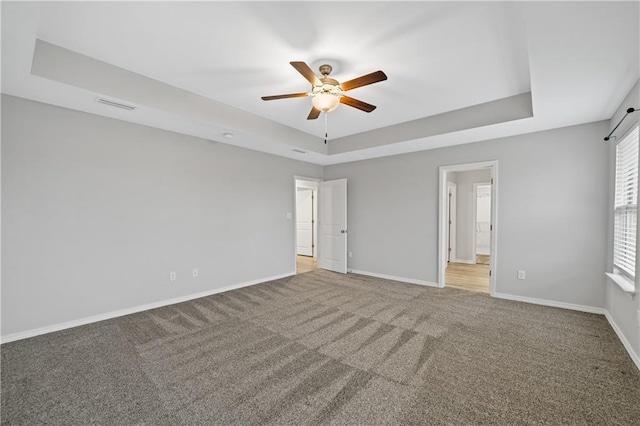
column 578, row 60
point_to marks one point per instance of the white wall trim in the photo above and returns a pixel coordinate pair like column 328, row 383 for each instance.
column 442, row 258
column 101, row 317
column 623, row 282
column 96, row 318
column 634, row 356
column 553, row 303
column 452, row 212
column 394, row 278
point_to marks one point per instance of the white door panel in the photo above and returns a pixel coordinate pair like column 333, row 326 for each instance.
column 332, row 196
column 304, row 242
column 304, row 222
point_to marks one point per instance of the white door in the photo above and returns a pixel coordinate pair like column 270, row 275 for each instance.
column 304, row 221
column 483, row 219
column 332, row 203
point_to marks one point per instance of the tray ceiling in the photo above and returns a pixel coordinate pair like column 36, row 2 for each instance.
column 458, row 72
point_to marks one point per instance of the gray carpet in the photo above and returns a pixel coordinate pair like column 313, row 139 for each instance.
column 323, row 348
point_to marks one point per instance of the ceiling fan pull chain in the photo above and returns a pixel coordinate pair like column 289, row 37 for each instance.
column 325, row 127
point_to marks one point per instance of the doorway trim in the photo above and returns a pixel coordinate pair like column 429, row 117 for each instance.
column 451, row 233
column 295, row 219
column 442, row 217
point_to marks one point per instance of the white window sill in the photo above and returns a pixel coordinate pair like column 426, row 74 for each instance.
column 623, row 282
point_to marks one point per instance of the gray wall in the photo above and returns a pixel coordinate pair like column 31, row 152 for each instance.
column 96, row 212
column 623, row 310
column 552, row 213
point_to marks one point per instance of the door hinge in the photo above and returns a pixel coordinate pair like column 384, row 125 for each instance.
column 490, row 227
column 489, row 272
column 492, row 181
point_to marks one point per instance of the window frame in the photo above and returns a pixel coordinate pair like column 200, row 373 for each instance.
column 628, row 279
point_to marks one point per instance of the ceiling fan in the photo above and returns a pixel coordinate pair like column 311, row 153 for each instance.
column 327, row 93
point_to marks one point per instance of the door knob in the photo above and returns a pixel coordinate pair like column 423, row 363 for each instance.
column 343, row 231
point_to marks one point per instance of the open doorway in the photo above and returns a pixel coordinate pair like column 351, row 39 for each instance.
column 306, row 225
column 467, row 226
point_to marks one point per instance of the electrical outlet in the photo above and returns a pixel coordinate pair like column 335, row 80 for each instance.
column 194, row 272
column 521, row 274
column 350, row 254
column 172, row 276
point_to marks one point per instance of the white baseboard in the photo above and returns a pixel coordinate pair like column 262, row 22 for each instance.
column 394, row 278
column 96, row 318
column 634, row 356
column 101, row 317
column 467, row 261
column 553, row 303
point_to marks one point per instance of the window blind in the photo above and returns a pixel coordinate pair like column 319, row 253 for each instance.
column 626, row 203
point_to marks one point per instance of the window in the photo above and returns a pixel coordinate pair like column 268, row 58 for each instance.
column 626, row 204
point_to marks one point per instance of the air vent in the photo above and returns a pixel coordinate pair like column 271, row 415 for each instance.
column 299, row 151
column 115, row 104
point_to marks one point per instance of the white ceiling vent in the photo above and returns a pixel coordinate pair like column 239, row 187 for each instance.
column 115, row 104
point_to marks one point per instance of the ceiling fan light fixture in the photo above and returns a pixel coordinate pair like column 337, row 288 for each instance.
column 327, row 93
column 325, row 102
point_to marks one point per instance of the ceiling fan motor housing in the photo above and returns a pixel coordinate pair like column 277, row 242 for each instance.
column 325, row 69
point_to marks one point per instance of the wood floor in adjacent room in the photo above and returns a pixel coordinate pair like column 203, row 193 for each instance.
column 306, row 264
column 468, row 276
